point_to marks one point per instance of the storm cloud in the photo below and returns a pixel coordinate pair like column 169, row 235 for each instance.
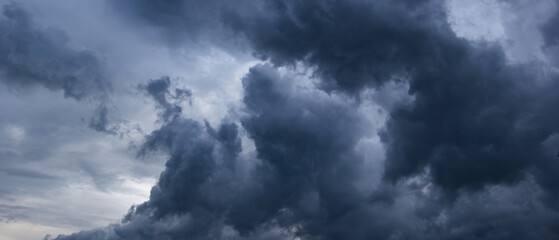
column 464, row 124
column 471, row 153
column 302, row 181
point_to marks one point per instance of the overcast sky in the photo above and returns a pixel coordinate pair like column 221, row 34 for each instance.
column 279, row 119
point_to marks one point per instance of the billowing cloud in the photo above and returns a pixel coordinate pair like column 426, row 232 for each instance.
column 477, row 135
column 203, row 186
column 463, row 125
column 301, row 182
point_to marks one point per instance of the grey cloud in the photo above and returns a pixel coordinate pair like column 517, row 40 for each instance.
column 303, row 179
column 100, row 121
column 159, row 90
column 306, row 144
column 468, row 100
column 472, row 122
column 34, row 55
column 549, row 30
column 466, row 123
column 333, row 36
column 30, row 54
column 201, row 190
column 477, row 125
column 352, row 44
column 551, row 37
column 177, row 21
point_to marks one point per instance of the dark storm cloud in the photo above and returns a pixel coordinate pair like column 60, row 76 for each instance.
column 333, row 36
column 476, row 123
column 471, row 123
column 463, row 125
column 303, row 173
column 306, row 144
column 468, row 124
column 550, row 35
column 199, row 159
column 546, row 114
column 352, row 44
column 550, row 31
column 302, row 179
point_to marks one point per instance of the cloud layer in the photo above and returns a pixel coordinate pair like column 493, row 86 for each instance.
column 470, row 155
column 34, row 55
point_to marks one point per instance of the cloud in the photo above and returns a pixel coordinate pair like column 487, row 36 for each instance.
column 551, row 34
column 306, row 144
column 472, row 122
column 460, row 157
column 468, row 100
column 176, row 22
column 352, row 44
column 100, row 122
column 33, row 55
column 302, row 181
column 158, row 89
column 202, row 192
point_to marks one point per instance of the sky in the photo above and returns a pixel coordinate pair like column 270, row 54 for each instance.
column 279, row 119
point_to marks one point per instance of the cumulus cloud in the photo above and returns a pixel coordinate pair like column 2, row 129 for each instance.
column 302, row 181
column 202, row 188
column 468, row 100
column 479, row 133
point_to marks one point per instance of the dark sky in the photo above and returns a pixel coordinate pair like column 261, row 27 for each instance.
column 279, row 119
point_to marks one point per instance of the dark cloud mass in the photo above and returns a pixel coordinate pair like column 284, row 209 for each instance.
column 290, row 182
column 473, row 156
column 549, row 32
column 469, row 102
column 469, row 122
column 352, row 44
column 550, row 35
